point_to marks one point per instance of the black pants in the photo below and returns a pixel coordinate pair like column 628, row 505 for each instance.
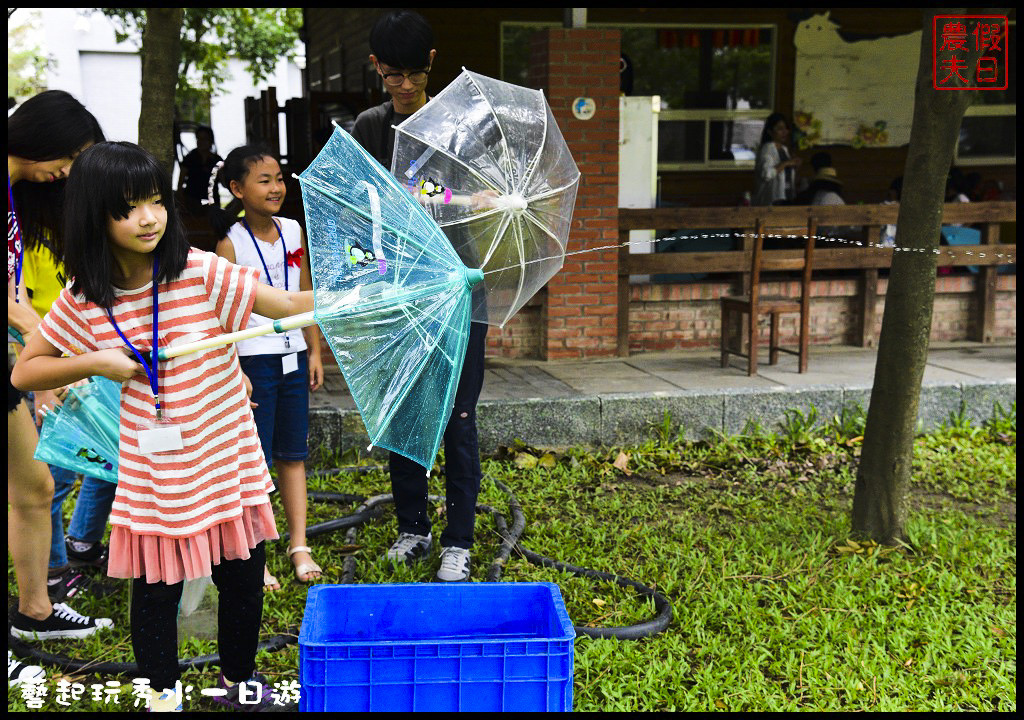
column 154, row 621
column 461, row 460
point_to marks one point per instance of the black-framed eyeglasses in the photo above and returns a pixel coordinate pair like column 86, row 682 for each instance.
column 394, row 79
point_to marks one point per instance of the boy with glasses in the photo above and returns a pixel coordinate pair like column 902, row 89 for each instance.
column 401, row 52
column 401, row 45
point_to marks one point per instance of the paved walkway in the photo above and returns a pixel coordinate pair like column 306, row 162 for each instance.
column 610, row 401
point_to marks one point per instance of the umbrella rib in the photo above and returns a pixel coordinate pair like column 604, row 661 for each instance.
column 533, row 198
column 505, row 221
column 471, row 218
column 535, row 161
column 504, row 140
column 517, row 232
column 421, row 331
column 529, row 216
column 405, row 392
column 553, row 191
column 316, row 185
column 382, row 425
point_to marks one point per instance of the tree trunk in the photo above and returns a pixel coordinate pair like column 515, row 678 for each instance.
column 883, row 476
column 161, row 53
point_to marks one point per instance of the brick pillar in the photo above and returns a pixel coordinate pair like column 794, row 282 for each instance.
column 582, row 298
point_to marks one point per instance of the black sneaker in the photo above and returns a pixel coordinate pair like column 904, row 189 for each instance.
column 409, row 547
column 63, row 622
column 18, row 672
column 70, row 582
column 81, row 554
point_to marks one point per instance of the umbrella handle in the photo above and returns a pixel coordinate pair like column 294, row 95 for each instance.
column 465, row 200
column 278, row 326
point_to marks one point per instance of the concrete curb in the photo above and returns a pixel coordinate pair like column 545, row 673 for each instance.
column 632, row 418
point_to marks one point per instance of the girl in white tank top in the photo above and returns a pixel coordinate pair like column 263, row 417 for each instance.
column 278, row 365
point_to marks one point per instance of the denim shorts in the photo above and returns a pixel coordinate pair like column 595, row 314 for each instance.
column 282, row 412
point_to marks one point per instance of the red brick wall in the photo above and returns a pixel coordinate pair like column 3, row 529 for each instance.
column 680, row 317
column 580, row 313
column 522, row 336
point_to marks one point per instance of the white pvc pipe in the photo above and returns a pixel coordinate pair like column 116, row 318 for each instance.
column 278, row 326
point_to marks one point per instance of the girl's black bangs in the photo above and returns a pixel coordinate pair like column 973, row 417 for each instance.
column 138, row 181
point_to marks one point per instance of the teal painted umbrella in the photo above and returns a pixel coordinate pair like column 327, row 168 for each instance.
column 82, row 435
column 391, row 296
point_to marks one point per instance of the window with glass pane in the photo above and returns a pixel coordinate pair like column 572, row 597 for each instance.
column 988, row 132
column 681, row 141
column 987, row 137
column 702, row 68
column 720, row 78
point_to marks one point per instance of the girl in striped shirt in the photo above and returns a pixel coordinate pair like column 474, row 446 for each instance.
column 193, row 487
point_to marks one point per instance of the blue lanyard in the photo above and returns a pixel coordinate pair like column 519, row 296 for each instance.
column 19, row 244
column 284, row 252
column 151, row 366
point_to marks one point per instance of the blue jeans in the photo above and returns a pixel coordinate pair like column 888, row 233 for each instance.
column 92, row 508
column 282, row 411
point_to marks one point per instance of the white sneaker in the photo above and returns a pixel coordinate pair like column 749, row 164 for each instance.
column 410, row 547
column 454, row 565
column 18, row 672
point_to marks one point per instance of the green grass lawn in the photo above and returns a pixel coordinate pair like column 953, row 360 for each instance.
column 775, row 608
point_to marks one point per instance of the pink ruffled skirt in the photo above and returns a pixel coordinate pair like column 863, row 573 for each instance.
column 171, row 560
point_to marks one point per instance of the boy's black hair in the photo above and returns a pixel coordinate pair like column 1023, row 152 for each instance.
column 402, row 39
column 47, row 126
column 104, row 180
column 236, row 167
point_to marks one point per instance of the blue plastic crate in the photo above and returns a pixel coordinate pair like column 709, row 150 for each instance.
column 436, row 647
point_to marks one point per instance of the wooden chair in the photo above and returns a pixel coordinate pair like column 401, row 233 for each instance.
column 754, row 304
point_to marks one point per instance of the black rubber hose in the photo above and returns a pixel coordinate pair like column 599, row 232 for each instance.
column 334, row 497
column 69, row 665
column 511, row 541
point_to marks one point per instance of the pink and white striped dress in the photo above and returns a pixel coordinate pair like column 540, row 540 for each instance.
column 175, row 514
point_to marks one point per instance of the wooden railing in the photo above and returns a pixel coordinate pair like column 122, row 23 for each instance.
column 844, row 256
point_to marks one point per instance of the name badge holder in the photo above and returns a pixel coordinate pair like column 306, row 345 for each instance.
column 289, row 363
column 160, row 434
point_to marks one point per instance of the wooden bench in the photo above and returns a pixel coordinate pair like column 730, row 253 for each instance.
column 845, row 256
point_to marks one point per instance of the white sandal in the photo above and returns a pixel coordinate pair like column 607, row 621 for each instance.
column 304, row 569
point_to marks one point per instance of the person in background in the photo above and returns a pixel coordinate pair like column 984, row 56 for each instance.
column 402, row 46
column 775, row 168
column 827, row 189
column 892, row 198
column 196, row 168
column 83, row 546
column 806, row 194
column 44, row 137
column 402, row 53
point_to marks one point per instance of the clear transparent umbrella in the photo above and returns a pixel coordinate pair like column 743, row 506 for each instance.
column 488, row 162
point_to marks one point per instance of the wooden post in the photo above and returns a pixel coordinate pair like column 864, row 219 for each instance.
column 622, row 317
column 985, row 291
column 868, row 306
